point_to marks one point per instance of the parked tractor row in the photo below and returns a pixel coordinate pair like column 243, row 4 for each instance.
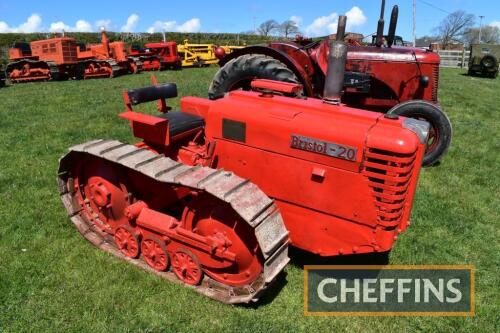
column 66, row 58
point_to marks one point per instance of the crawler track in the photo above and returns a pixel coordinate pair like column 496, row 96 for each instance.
column 50, row 69
column 247, row 200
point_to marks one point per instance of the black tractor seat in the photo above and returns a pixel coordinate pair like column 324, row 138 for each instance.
column 180, row 122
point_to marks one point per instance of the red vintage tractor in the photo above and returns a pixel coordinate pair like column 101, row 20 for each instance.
column 213, row 195
column 167, row 51
column 396, row 80
column 48, row 59
column 107, row 59
column 150, row 61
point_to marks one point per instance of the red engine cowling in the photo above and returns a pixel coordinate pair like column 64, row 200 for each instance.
column 343, row 178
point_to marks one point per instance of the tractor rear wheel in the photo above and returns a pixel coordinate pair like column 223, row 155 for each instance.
column 440, row 131
column 239, row 73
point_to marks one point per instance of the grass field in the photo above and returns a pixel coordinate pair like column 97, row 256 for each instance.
column 52, row 280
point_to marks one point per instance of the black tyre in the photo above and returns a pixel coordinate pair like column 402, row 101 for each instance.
column 239, row 73
column 440, row 132
column 489, row 63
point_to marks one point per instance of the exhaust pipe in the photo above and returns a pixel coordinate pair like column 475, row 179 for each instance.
column 105, row 41
column 392, row 26
column 334, row 82
column 380, row 26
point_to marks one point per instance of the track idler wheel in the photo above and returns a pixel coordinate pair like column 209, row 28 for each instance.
column 155, row 254
column 229, row 234
column 127, row 242
column 186, row 267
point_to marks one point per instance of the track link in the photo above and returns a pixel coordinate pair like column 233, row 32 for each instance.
column 138, row 63
column 247, row 200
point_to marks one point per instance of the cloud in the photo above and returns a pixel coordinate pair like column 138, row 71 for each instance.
column 495, row 24
column 106, row 24
column 325, row 25
column 162, row 26
column 355, row 17
column 32, row 24
column 296, row 19
column 80, row 26
column 192, row 25
column 132, row 21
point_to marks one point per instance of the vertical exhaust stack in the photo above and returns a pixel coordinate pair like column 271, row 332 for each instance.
column 105, row 41
column 380, row 26
column 392, row 26
column 334, row 82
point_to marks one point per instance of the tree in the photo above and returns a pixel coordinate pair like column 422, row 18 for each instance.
column 268, row 27
column 489, row 35
column 453, row 27
column 425, row 41
column 288, row 28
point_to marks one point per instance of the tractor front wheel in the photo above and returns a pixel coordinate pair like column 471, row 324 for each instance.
column 239, row 73
column 440, row 131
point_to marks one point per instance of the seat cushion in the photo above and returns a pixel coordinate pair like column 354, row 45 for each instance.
column 180, row 122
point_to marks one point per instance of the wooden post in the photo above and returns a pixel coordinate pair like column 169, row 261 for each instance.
column 463, row 57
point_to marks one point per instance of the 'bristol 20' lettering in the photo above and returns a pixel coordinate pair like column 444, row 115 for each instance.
column 314, row 146
column 322, row 147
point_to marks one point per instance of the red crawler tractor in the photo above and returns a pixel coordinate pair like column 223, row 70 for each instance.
column 48, row 59
column 398, row 80
column 157, row 56
column 167, row 51
column 106, row 59
column 150, row 61
column 213, row 194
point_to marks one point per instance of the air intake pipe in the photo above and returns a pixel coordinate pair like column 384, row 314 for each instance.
column 334, row 82
column 392, row 26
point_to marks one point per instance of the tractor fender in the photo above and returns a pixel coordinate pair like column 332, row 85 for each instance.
column 285, row 57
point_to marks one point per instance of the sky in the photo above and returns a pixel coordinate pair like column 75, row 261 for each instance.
column 314, row 17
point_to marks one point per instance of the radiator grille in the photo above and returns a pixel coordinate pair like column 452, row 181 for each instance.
column 389, row 175
column 435, row 83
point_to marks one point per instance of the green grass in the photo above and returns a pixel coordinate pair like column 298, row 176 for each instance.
column 51, row 279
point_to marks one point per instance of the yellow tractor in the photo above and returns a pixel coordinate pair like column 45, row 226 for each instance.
column 201, row 55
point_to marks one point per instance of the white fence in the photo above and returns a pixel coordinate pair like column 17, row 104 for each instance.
column 454, row 58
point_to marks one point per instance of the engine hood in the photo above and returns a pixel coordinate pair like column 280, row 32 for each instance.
column 307, row 129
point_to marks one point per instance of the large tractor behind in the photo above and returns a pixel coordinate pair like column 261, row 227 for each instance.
column 213, row 195
column 382, row 77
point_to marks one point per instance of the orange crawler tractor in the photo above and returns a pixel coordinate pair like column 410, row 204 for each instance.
column 213, row 195
column 48, row 59
column 107, row 59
